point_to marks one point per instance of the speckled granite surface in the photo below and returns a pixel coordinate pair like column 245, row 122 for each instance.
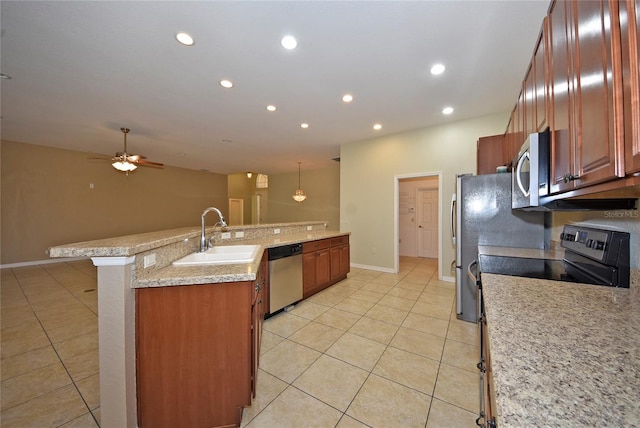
column 170, row 245
column 564, row 354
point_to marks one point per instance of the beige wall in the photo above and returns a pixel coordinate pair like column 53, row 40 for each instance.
column 47, row 199
column 368, row 174
column 242, row 187
column 322, row 187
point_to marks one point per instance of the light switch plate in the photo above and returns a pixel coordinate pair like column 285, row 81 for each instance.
column 226, row 235
column 239, row 234
column 276, row 231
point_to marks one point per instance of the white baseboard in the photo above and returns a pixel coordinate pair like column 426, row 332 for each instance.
column 42, row 262
column 375, row 268
column 448, row 278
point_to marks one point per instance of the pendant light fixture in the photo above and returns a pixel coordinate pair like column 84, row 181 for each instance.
column 299, row 196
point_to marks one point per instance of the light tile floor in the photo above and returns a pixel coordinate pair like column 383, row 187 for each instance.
column 377, row 349
column 49, row 345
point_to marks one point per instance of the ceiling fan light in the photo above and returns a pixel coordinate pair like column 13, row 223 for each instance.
column 124, row 166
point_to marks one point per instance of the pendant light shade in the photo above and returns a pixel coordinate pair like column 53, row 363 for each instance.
column 299, row 196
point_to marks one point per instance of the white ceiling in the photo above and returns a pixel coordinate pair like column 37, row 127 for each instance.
column 81, row 70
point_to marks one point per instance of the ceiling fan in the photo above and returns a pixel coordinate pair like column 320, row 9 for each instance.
column 127, row 163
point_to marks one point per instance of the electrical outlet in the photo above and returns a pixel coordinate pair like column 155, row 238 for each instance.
column 239, row 234
column 225, row 235
column 150, row 260
column 276, row 231
column 309, row 227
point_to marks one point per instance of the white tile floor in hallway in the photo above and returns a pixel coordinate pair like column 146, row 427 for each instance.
column 379, row 350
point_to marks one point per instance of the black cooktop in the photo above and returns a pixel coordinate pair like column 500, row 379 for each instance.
column 556, row 270
column 592, row 256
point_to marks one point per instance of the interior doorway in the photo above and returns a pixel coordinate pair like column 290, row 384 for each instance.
column 418, row 216
column 236, row 212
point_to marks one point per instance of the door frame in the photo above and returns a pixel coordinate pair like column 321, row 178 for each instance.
column 396, row 220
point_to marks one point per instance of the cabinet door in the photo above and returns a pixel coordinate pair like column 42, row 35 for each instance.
column 308, row 274
column 489, row 154
column 560, row 35
column 323, row 267
column 597, row 106
column 630, row 38
column 529, row 94
column 541, row 103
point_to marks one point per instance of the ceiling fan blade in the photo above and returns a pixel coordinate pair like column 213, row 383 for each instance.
column 149, row 163
column 135, row 158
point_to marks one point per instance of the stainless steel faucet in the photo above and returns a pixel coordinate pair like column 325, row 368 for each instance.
column 203, row 239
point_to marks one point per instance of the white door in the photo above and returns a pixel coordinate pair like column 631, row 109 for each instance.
column 236, row 212
column 427, row 223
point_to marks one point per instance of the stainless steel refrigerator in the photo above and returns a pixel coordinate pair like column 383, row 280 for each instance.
column 481, row 214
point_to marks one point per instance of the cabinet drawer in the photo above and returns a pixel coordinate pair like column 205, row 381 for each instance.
column 309, row 247
column 340, row 240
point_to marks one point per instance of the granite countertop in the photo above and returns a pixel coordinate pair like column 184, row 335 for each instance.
column 208, row 274
column 563, row 354
column 171, row 245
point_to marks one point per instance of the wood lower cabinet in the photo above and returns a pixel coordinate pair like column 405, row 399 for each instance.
column 316, row 266
column 197, row 352
column 340, row 258
column 324, row 262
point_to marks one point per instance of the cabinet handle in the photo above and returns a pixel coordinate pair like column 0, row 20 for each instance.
column 481, row 366
column 491, row 423
column 257, row 287
column 478, row 420
column 570, row 177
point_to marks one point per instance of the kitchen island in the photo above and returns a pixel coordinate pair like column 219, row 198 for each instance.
column 563, row 354
column 144, row 261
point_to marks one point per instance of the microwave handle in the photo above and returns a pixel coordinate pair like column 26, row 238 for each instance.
column 453, row 218
column 524, row 191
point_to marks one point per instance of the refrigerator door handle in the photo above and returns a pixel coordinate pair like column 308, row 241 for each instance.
column 454, row 202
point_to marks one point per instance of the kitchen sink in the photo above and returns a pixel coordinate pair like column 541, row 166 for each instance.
column 228, row 254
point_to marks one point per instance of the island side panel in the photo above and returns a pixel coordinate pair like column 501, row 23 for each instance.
column 194, row 354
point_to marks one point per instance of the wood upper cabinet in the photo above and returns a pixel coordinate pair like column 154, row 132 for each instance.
column 560, row 71
column 630, row 44
column 197, row 349
column 587, row 144
column 541, row 77
column 489, row 154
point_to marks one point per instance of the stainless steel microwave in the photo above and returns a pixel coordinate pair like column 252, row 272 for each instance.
column 530, row 177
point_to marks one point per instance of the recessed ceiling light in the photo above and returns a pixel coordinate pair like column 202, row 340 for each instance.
column 347, row 98
column 226, row 83
column 447, row 110
column 437, row 69
column 304, row 125
column 377, row 127
column 185, row 39
column 271, row 107
column 289, row 42
column 226, row 141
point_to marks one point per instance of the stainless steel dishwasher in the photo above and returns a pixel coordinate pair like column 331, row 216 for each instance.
column 285, row 276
